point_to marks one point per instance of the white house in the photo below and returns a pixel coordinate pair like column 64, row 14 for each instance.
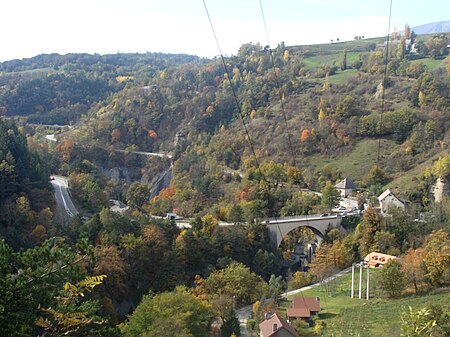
column 387, row 199
column 345, row 187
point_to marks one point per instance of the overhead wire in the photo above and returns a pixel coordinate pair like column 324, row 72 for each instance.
column 280, row 92
column 384, row 83
column 241, row 115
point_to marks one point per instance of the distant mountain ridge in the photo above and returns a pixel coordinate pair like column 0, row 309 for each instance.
column 432, row 28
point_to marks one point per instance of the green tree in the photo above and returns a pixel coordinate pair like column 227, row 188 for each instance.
column 32, row 279
column 300, row 203
column 137, row 194
column 417, row 323
column 330, row 196
column 442, row 166
column 300, row 279
column 393, row 278
column 236, row 214
column 231, row 325
column 346, row 106
column 436, row 257
column 179, row 312
column 344, row 60
column 236, row 280
column 294, row 175
column 375, row 176
column 70, row 316
column 436, row 45
column 401, row 49
column 276, row 287
column 442, row 317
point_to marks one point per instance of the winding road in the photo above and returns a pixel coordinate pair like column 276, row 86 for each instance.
column 62, row 197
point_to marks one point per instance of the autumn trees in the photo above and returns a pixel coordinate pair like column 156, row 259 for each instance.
column 23, row 188
column 32, row 294
column 172, row 314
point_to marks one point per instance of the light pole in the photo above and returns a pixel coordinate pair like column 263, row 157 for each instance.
column 234, row 302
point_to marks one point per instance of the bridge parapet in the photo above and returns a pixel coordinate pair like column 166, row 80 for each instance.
column 319, row 224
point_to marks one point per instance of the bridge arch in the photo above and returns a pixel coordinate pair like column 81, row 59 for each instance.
column 279, row 228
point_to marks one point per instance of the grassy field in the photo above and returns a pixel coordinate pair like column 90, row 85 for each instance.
column 351, row 46
column 378, row 316
column 339, row 78
column 357, row 162
column 431, row 64
column 333, row 59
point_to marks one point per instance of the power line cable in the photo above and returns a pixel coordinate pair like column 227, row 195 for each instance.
column 384, row 83
column 280, row 92
column 239, row 108
column 233, row 91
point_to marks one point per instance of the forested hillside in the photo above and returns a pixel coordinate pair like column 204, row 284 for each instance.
column 225, row 146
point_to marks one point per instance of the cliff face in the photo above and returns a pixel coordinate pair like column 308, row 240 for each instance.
column 441, row 188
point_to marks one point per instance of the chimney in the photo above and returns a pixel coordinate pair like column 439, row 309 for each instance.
column 275, row 327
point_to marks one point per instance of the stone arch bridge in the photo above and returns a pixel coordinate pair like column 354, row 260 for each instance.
column 319, row 224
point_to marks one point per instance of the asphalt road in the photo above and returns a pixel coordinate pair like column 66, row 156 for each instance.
column 62, row 197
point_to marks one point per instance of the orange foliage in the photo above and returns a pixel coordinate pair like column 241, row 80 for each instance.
column 245, row 193
column 341, row 134
column 65, row 148
column 152, row 133
column 168, row 192
column 305, row 135
column 115, row 135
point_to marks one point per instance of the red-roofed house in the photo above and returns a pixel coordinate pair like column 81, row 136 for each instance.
column 304, row 307
column 276, row 326
column 375, row 260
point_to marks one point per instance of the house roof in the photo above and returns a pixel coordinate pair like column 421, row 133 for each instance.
column 376, row 259
column 266, row 327
column 385, row 194
column 298, row 312
column 310, row 303
column 347, row 184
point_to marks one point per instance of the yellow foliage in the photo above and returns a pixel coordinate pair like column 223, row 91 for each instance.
column 40, row 233
column 124, row 78
column 322, row 115
column 255, row 307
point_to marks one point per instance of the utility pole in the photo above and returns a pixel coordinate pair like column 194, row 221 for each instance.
column 367, row 296
column 353, row 281
column 360, row 280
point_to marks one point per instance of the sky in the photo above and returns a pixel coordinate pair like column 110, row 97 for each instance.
column 30, row 27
